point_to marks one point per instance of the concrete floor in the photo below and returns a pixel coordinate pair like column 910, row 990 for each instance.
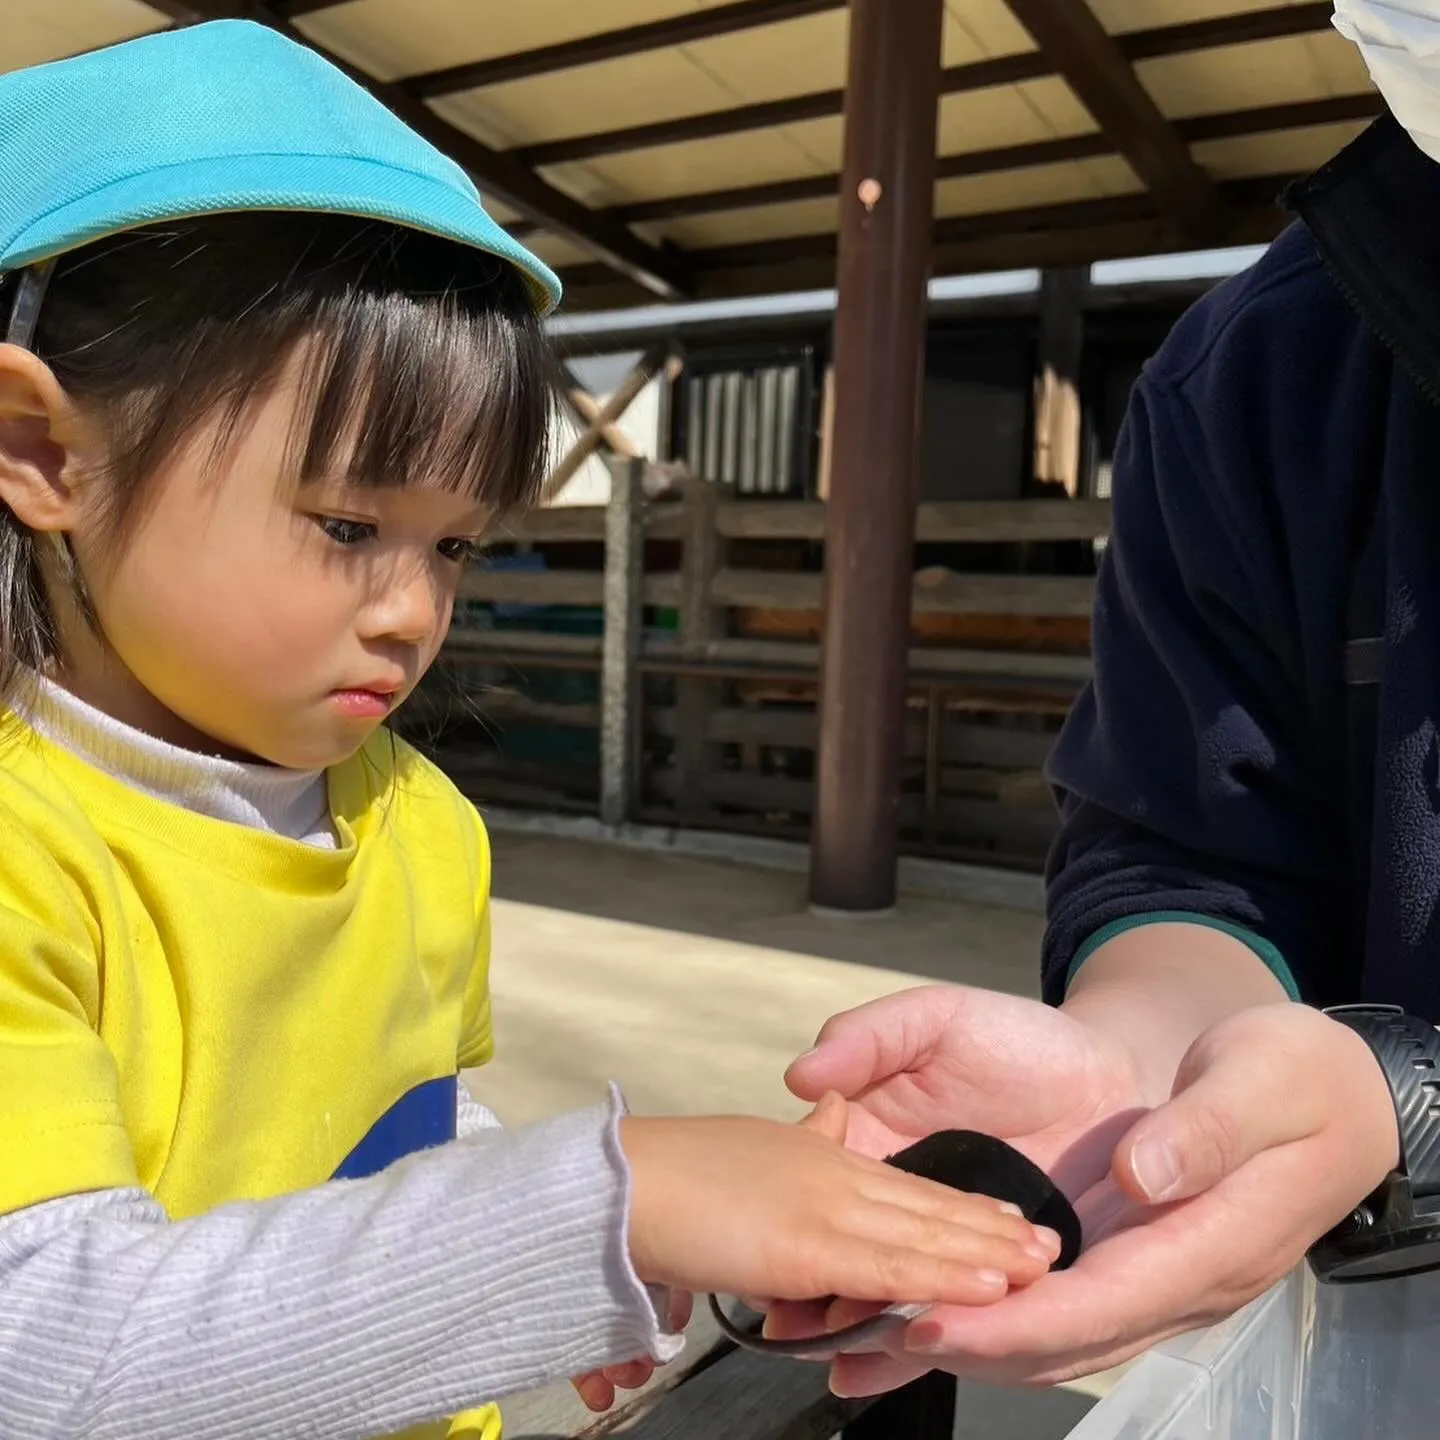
column 694, row 983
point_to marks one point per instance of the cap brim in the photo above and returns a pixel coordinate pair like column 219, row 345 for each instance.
column 332, row 185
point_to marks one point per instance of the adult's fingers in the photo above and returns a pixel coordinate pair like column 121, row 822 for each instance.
column 861, row 1047
column 1243, row 1088
column 855, row 1376
column 1187, row 1265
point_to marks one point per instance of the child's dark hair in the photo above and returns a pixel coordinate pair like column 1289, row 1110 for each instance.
column 424, row 362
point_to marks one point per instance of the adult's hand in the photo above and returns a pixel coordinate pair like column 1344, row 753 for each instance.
column 1280, row 1122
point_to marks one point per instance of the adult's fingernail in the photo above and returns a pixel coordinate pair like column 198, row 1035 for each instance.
column 992, row 1279
column 1156, row 1167
column 1008, row 1207
column 925, row 1340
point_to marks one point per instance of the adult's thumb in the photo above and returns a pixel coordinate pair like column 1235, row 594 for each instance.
column 1234, row 1098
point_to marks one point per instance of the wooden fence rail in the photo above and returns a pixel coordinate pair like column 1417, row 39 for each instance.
column 996, row 660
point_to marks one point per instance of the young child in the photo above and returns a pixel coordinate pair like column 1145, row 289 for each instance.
column 270, row 372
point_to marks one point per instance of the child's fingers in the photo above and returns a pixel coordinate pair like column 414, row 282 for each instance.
column 885, row 1253
column 630, row 1376
column 979, row 1212
column 831, row 1117
column 941, row 1237
column 679, row 1311
column 597, row 1393
column 798, row 1319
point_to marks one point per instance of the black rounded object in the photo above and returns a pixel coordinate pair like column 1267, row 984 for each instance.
column 983, row 1165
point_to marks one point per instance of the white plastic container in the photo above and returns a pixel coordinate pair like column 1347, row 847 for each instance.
column 1304, row 1362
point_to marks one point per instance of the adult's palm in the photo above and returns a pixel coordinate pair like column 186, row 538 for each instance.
column 1279, row 1123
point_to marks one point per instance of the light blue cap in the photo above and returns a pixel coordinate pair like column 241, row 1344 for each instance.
column 215, row 118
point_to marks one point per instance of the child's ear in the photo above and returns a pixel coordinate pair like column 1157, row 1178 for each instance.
column 40, row 444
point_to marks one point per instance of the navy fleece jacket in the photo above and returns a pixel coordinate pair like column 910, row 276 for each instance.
column 1204, row 771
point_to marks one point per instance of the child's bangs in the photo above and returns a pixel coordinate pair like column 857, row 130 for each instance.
column 451, row 390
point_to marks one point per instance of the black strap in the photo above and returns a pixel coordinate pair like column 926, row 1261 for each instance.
column 1408, row 1051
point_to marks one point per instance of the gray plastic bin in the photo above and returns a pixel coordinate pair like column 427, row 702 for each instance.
column 1304, row 1362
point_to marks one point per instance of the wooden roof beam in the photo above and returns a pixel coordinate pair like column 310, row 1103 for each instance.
column 683, row 29
column 1264, row 119
column 498, row 173
column 1277, row 22
column 1073, row 233
column 1087, row 58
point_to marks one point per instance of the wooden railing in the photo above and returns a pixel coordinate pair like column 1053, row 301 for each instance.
column 995, row 660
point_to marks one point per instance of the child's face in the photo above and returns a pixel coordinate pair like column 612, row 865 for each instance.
column 284, row 623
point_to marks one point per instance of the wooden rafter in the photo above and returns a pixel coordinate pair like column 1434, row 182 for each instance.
column 1087, row 58
column 683, row 29
column 499, row 173
column 1076, row 232
column 1277, row 22
column 1264, row 119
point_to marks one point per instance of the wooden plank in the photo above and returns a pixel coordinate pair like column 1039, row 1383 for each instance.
column 498, row 708
column 1257, row 120
column 1064, row 670
column 1017, row 826
column 541, row 587
column 986, row 521
column 1093, row 65
column 944, row 592
column 771, row 519
column 557, row 587
column 995, row 746
column 746, row 1396
column 989, row 747
column 700, row 622
column 682, row 29
column 1000, row 70
column 564, row 524
column 960, row 521
column 468, row 645
column 588, row 441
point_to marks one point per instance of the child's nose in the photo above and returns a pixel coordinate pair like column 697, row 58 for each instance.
column 408, row 612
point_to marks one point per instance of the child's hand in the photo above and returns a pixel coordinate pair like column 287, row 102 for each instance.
column 597, row 1389
column 740, row 1206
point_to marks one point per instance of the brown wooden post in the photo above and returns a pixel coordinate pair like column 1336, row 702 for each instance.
column 694, row 696
column 887, row 210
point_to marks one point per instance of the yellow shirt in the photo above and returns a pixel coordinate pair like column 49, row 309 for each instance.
column 216, row 1013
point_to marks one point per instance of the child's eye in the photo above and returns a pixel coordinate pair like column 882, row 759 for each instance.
column 459, row 551
column 345, row 532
